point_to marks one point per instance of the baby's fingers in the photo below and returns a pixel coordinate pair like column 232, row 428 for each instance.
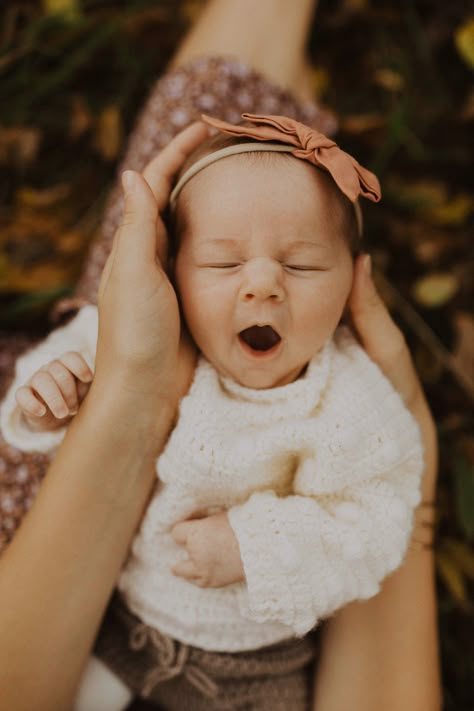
column 29, row 403
column 76, row 364
column 57, row 388
column 186, row 569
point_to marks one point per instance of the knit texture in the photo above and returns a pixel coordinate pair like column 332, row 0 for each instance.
column 320, row 479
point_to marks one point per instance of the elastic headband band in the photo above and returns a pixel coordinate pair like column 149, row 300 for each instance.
column 255, row 146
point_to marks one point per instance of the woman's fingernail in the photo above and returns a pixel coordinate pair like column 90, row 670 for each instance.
column 128, row 180
column 367, row 264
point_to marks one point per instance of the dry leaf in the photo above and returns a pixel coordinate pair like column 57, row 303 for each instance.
column 453, row 212
column 452, row 577
column 361, row 123
column 108, row 136
column 462, row 553
column 19, row 144
column 81, row 117
column 319, row 80
column 69, row 9
column 389, row 79
column 419, row 194
column 32, row 197
column 464, row 40
column 435, row 289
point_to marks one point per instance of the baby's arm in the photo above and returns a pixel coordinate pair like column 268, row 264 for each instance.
column 51, row 397
column 80, row 336
column 59, row 370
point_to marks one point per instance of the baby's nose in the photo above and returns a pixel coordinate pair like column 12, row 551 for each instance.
column 262, row 279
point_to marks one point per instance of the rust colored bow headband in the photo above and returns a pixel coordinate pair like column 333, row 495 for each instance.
column 352, row 179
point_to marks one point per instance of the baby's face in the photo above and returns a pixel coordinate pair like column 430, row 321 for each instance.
column 262, row 273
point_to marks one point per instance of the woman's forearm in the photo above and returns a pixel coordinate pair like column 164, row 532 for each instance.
column 57, row 575
column 383, row 653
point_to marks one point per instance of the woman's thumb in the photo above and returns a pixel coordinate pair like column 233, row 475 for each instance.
column 136, row 237
column 370, row 317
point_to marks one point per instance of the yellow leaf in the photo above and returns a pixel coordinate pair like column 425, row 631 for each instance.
column 81, row 117
column 418, row 195
column 453, row 212
column 462, row 554
column 69, row 9
column 452, row 577
column 31, row 197
column 319, row 80
column 464, row 40
column 19, row 143
column 108, row 137
column 435, row 289
column 360, row 123
column 389, row 79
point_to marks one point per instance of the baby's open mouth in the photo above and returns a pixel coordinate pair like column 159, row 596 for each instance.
column 260, row 338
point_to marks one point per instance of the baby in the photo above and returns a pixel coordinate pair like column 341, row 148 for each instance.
column 288, row 485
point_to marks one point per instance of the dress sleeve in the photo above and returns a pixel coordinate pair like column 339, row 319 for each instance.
column 306, row 555
column 79, row 335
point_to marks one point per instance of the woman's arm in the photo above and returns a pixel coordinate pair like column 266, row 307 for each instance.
column 383, row 653
column 57, row 575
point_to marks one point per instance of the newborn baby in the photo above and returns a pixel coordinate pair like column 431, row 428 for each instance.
column 288, row 485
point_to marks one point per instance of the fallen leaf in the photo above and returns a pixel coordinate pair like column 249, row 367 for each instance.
column 32, row 197
column 435, row 289
column 19, row 144
column 108, row 135
column 81, row 117
column 319, row 80
column 389, row 79
column 418, row 194
column 452, row 576
column 453, row 212
column 361, row 123
column 68, row 9
column 464, row 41
column 462, row 553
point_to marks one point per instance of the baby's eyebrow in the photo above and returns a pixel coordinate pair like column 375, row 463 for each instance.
column 298, row 244
column 227, row 242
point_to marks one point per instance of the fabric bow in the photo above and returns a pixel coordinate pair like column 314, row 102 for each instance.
column 351, row 178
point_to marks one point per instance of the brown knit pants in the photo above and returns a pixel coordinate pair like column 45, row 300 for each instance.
column 179, row 677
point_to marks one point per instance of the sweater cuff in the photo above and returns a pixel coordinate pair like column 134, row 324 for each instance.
column 271, row 562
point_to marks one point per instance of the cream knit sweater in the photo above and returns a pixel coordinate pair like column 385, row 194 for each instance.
column 319, row 477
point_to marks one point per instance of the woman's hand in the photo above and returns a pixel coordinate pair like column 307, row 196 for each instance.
column 368, row 659
column 385, row 344
column 138, row 310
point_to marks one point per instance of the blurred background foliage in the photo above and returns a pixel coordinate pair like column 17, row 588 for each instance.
column 398, row 73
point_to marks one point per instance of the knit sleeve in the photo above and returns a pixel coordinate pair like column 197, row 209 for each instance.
column 79, row 335
column 308, row 554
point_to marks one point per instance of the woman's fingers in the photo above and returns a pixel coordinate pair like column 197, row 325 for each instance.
column 380, row 336
column 161, row 171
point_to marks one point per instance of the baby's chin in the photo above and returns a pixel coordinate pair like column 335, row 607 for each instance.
column 262, row 379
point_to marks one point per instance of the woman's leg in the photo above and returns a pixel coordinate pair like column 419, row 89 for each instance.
column 269, row 35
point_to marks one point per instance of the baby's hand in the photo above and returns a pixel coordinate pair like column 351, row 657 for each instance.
column 214, row 556
column 53, row 394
